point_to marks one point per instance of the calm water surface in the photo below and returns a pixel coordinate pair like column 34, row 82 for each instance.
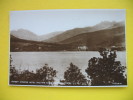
column 58, row 60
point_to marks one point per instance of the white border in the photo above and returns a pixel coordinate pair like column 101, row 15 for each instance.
column 57, row 85
column 69, row 86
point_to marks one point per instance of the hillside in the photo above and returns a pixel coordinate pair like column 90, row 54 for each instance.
column 102, row 38
column 108, row 38
column 21, row 45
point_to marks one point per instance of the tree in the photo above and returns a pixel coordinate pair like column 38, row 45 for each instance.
column 13, row 71
column 26, row 75
column 105, row 70
column 46, row 74
column 73, row 77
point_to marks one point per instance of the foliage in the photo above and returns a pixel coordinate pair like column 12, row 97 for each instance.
column 106, row 70
column 73, row 77
column 46, row 74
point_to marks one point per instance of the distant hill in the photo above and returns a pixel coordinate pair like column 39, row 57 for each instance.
column 49, row 35
column 24, row 34
column 73, row 32
column 28, row 35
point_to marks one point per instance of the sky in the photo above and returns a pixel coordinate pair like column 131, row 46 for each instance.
column 47, row 21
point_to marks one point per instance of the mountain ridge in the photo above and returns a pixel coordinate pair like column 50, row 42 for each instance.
column 108, row 38
column 76, row 31
column 62, row 35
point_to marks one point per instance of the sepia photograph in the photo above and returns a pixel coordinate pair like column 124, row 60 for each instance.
column 68, row 48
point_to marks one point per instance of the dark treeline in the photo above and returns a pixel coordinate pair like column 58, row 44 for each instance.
column 104, row 71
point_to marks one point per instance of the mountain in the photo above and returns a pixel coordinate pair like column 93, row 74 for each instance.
column 101, row 38
column 114, row 37
column 105, row 34
column 56, row 37
column 28, row 35
column 24, row 34
column 76, row 31
column 49, row 35
column 107, row 25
